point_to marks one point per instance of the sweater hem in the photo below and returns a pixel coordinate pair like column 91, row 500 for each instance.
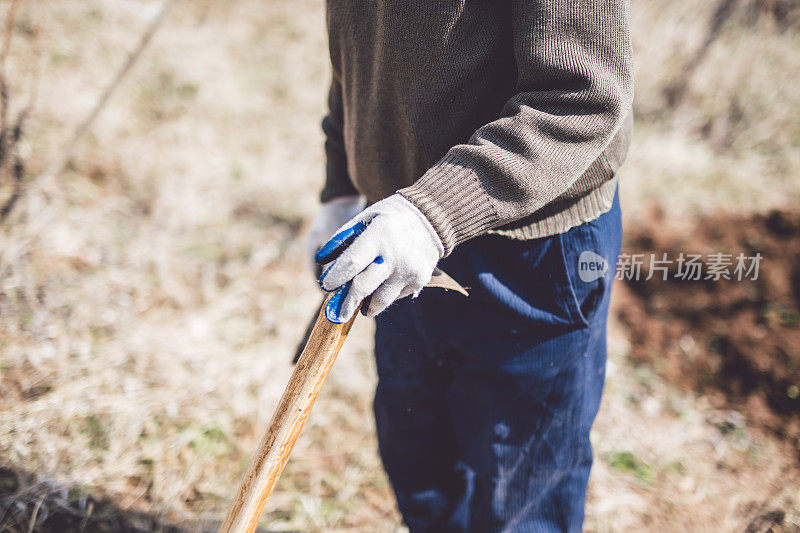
column 586, row 209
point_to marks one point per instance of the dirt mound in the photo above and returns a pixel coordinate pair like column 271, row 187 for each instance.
column 736, row 339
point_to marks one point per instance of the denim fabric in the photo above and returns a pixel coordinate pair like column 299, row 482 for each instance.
column 484, row 404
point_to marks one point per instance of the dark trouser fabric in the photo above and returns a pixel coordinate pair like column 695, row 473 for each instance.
column 484, row 404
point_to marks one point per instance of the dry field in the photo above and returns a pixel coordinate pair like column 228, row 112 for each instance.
column 152, row 292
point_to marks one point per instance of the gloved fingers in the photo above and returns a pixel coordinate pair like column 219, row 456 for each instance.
column 362, row 286
column 365, row 305
column 353, row 260
column 331, row 216
column 334, row 306
column 386, row 295
column 340, row 241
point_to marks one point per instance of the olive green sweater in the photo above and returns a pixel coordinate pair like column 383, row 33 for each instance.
column 503, row 116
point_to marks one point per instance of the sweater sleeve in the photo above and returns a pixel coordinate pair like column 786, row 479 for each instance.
column 574, row 91
column 337, row 179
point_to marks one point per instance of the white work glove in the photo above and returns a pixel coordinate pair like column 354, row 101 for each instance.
column 387, row 252
column 331, row 216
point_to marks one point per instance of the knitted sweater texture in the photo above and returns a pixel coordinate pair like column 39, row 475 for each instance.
column 501, row 116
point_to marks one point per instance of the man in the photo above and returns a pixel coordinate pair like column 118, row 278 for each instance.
column 486, row 135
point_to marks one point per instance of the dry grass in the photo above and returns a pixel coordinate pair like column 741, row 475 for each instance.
column 150, row 298
column 731, row 141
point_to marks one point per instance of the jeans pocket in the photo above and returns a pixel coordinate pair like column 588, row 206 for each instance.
column 585, row 269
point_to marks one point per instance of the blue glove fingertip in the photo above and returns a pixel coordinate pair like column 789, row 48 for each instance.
column 333, row 308
column 337, row 244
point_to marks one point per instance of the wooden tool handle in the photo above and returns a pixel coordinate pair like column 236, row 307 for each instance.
column 304, row 386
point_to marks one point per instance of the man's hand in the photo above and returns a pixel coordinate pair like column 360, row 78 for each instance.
column 387, row 252
column 330, row 217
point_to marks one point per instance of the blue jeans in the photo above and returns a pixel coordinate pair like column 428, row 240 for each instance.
column 484, row 404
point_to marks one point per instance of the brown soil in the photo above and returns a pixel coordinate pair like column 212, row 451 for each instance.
column 738, row 341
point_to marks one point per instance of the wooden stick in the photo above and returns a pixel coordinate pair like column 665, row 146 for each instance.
column 304, row 386
column 313, row 367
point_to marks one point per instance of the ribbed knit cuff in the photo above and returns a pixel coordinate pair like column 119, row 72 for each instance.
column 452, row 198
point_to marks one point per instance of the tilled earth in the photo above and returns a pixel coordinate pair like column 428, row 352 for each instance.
column 736, row 340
